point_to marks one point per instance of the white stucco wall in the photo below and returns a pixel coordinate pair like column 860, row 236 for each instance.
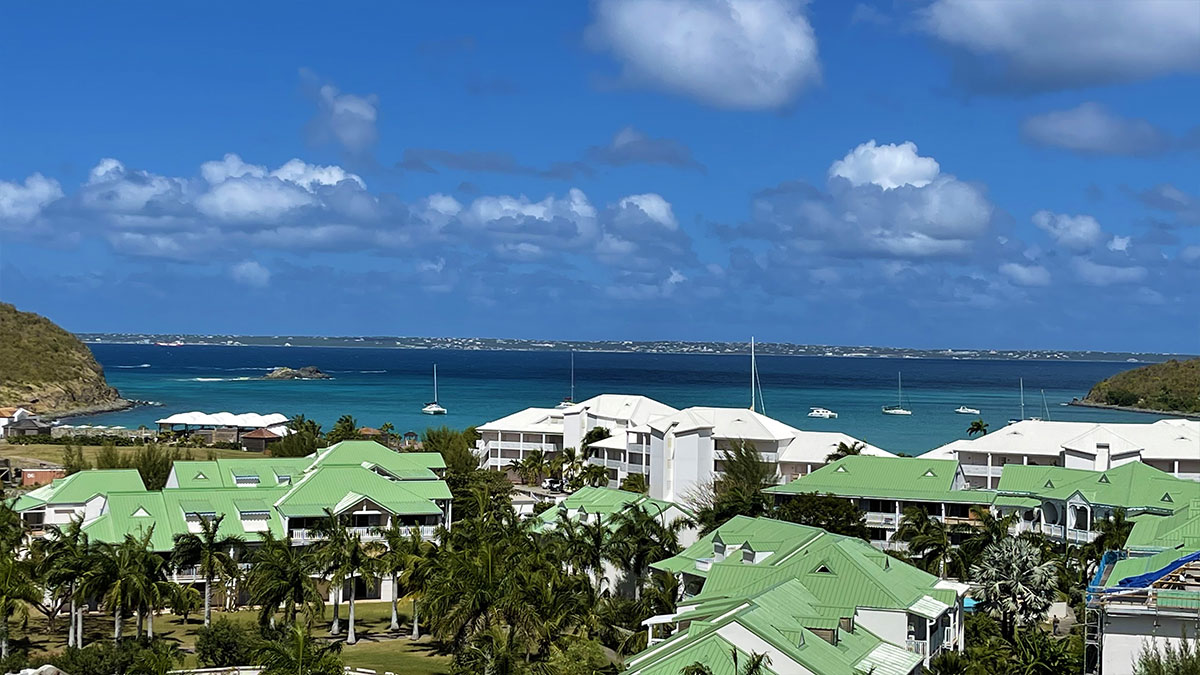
column 1126, row 636
column 889, row 625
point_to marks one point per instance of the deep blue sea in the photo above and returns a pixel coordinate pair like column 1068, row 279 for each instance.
column 390, row 385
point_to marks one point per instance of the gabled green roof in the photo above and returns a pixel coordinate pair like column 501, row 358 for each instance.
column 80, row 487
column 167, row 512
column 221, row 473
column 1133, row 486
column 858, row 575
column 370, row 453
column 905, row 478
column 327, row 487
column 785, row 617
column 1180, row 530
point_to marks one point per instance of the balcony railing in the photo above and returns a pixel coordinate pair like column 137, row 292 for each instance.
column 919, row 646
column 981, row 470
column 1052, row 530
column 877, row 518
column 306, row 536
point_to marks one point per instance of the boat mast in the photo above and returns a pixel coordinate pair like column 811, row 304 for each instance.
column 900, row 390
column 572, row 375
column 753, row 370
column 1045, row 406
column 435, row 395
column 1022, row 381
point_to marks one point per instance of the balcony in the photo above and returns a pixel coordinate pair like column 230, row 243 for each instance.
column 1080, row 536
column 981, row 470
column 876, row 518
column 918, row 646
column 302, row 536
column 1052, row 530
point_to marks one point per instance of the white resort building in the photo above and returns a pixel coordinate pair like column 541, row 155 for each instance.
column 677, row 449
column 1171, row 445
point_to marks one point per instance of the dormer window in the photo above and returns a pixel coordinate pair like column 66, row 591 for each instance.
column 840, row 469
column 929, row 474
column 822, row 569
column 283, row 480
column 245, row 481
column 748, row 554
column 1103, row 478
column 1049, row 484
column 1167, row 497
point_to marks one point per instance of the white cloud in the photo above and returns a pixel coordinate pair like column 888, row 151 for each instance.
column 250, row 273
column 1120, row 244
column 253, row 199
column 21, row 203
column 347, row 119
column 1091, row 128
column 1026, row 275
column 1075, row 233
column 748, row 54
column 888, row 166
column 1096, row 274
column 113, row 188
column 1058, row 43
column 309, row 176
column 230, row 166
column 653, row 206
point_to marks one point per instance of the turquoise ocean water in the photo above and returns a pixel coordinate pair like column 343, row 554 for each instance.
column 390, row 385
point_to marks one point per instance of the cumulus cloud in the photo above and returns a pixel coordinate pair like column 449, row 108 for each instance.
column 1051, row 44
column 888, row 166
column 745, row 54
column 1075, row 233
column 250, row 273
column 1092, row 129
column 348, row 120
column 1097, row 274
column 1119, row 244
column 630, row 146
column 21, row 203
column 1026, row 275
column 881, row 201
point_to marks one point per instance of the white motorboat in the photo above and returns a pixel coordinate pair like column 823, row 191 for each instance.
column 964, row 410
column 823, row 413
column 433, row 408
column 899, row 408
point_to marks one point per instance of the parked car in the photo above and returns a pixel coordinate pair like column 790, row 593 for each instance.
column 552, row 484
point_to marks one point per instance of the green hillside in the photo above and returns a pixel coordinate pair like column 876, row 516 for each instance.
column 45, row 368
column 1172, row 386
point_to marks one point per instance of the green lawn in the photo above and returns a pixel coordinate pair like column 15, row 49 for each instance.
column 30, row 455
column 377, row 648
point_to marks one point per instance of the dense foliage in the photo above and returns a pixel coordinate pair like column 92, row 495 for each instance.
column 223, row 643
column 1171, row 386
column 41, row 362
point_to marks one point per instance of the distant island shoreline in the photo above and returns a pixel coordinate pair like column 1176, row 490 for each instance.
column 716, row 348
column 1128, row 408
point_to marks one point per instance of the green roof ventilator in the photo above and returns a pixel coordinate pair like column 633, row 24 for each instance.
column 1167, row 497
column 1103, row 478
column 929, row 474
column 840, row 469
column 1049, row 484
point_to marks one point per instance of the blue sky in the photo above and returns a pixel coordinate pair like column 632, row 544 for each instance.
column 930, row 174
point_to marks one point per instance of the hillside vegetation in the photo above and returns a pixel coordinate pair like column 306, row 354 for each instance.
column 46, row 369
column 1173, row 386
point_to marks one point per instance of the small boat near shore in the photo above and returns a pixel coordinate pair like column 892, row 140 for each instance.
column 823, row 413
column 964, row 410
column 899, row 408
column 433, row 407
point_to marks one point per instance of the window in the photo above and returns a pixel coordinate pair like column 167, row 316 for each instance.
column 245, row 481
column 283, row 480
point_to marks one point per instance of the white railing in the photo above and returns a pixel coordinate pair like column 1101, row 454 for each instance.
column 981, row 470
column 1052, row 530
column 919, row 646
column 306, row 536
column 1080, row 536
column 877, row 518
column 527, row 445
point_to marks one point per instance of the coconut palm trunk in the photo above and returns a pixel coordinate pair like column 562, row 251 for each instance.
column 336, row 628
column 208, row 582
column 395, row 599
column 416, row 626
column 71, row 623
column 350, row 638
column 117, row 622
column 79, row 625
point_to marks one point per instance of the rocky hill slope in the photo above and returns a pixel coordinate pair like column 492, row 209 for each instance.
column 1173, row 386
column 48, row 370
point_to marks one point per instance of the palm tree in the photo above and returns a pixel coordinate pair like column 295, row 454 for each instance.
column 929, row 540
column 345, row 429
column 1013, row 584
column 405, row 553
column 640, row 538
column 593, row 475
column 330, row 553
column 843, row 449
column 538, row 464
column 184, row 599
column 635, row 482
column 988, row 529
column 757, row 665
column 17, row 592
column 387, row 429
column 64, row 556
column 283, row 574
column 1112, row 531
column 977, row 427
column 212, row 552
column 345, row 557
column 298, row 652
column 566, row 463
column 148, row 586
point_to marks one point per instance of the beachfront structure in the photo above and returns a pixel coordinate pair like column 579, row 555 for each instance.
column 1171, row 445
column 814, row 602
column 512, row 438
column 223, row 426
column 687, row 448
column 362, row 483
column 8, row 415
column 884, row 487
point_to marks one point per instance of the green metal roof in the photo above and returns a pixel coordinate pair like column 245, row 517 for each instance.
column 1181, row 529
column 783, row 617
column 167, row 512
column 327, row 487
column 221, row 473
column 607, row 502
column 1133, row 486
column 400, row 464
column 904, row 478
column 80, row 487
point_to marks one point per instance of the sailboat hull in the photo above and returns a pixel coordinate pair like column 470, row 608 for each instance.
column 896, row 411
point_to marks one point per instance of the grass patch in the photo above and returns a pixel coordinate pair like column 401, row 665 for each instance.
column 31, row 455
column 377, row 648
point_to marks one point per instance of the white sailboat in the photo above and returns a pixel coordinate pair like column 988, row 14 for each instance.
column 570, row 400
column 823, row 413
column 964, row 410
column 899, row 408
column 433, row 408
